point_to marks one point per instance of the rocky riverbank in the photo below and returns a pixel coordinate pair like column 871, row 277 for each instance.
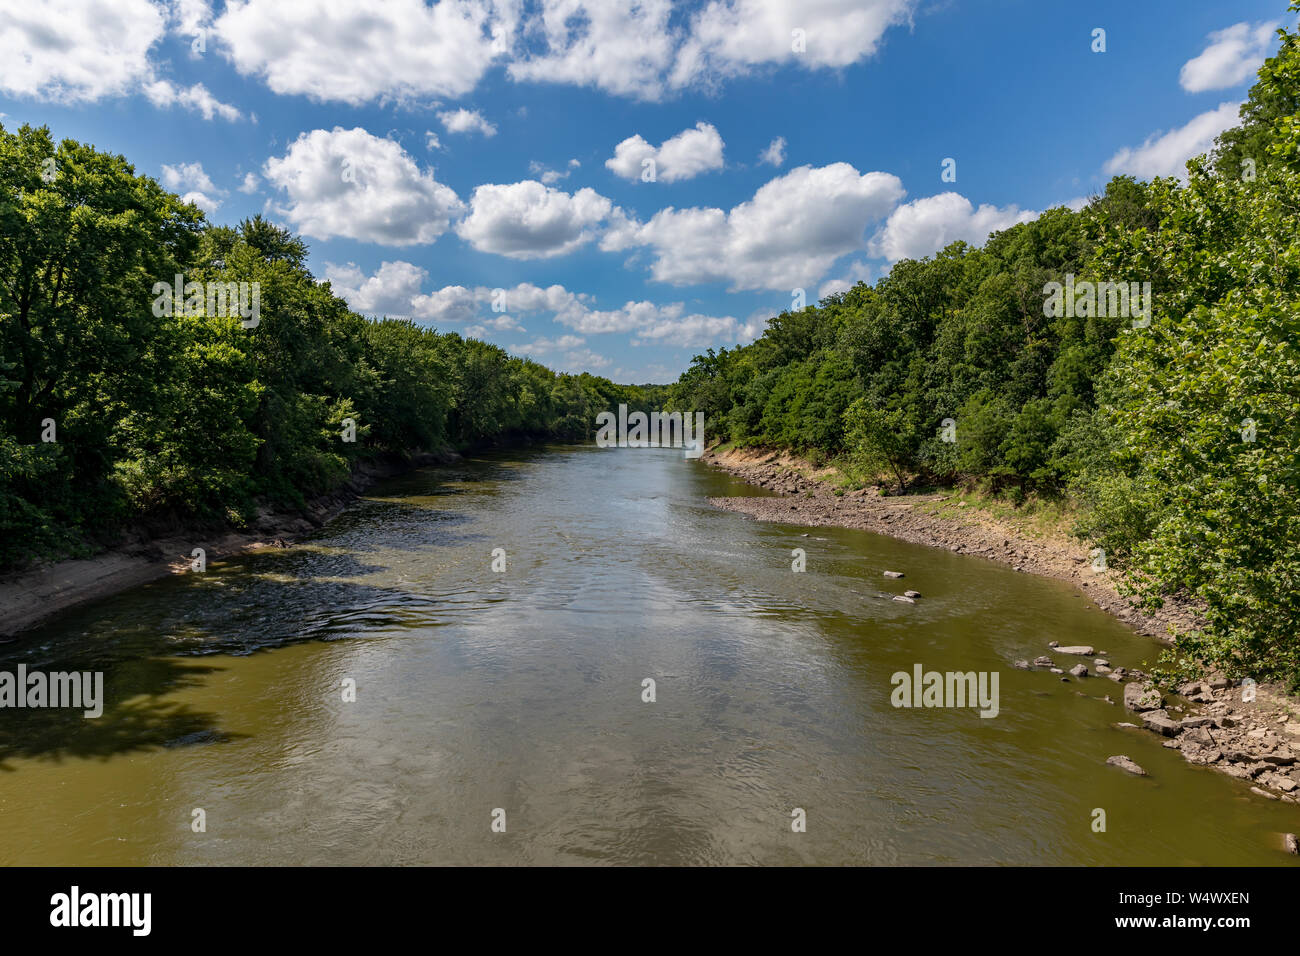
column 29, row 597
column 1256, row 739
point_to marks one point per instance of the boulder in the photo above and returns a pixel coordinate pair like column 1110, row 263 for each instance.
column 1022, row 665
column 912, row 594
column 1140, row 697
column 1292, row 843
column 1079, row 650
column 904, row 599
column 893, row 574
column 1160, row 722
column 1079, row 670
column 1124, row 763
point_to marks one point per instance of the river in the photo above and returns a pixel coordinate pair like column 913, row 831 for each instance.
column 521, row 691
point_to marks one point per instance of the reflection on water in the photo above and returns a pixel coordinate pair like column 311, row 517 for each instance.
column 523, row 691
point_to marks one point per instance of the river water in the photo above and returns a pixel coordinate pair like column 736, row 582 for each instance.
column 521, row 691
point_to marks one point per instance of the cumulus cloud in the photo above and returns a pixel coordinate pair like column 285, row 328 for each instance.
column 551, row 176
column 466, row 121
column 774, row 155
column 357, row 51
column 786, row 236
column 528, row 220
column 1233, row 55
column 196, row 99
column 624, row 49
column 77, row 51
column 1166, row 154
column 351, row 184
column 857, row 272
column 689, row 153
column 394, row 290
column 732, row 37
column 194, row 185
column 924, row 226
column 250, row 184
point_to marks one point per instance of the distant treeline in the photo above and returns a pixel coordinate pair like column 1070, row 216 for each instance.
column 112, row 414
column 1177, row 431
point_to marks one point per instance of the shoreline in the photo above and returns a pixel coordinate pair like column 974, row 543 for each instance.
column 1255, row 741
column 32, row 596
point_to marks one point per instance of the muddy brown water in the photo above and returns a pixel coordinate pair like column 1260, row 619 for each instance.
column 523, row 691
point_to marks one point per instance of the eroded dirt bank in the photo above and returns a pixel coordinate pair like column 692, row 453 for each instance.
column 1257, row 741
column 29, row 597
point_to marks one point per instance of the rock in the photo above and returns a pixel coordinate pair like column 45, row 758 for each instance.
column 1056, row 670
column 1200, row 721
column 893, row 574
column 1053, row 643
column 1226, row 721
column 1127, row 724
column 1044, row 662
column 1219, row 683
column 1022, row 665
column 1263, row 793
column 1140, row 697
column 1079, row 650
column 1292, row 843
column 1101, row 662
column 1198, row 735
column 1292, row 728
column 1079, row 670
column 1124, row 763
column 1103, row 669
column 1159, row 721
column 1279, row 759
column 904, row 598
column 912, row 594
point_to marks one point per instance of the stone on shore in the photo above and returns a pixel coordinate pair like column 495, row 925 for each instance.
column 1124, row 763
column 1161, row 723
column 1079, row 650
column 1140, row 697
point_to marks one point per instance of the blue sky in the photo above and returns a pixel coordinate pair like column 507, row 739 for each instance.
column 433, row 154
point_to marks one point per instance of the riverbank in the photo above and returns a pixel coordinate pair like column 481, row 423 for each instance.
column 33, row 595
column 1257, row 741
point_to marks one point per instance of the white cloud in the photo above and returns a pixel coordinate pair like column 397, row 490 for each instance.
column 552, row 176
column 77, row 51
column 250, row 184
column 774, row 155
column 394, row 290
column 787, row 236
column 640, row 50
column 357, row 51
column 189, row 175
column 541, row 346
column 194, row 184
column 351, row 184
column 527, row 220
column 689, row 153
column 857, row 272
column 431, row 141
column 196, row 99
column 732, row 37
column 620, row 48
column 466, row 121
column 1233, row 56
column 1166, row 154
column 924, row 226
